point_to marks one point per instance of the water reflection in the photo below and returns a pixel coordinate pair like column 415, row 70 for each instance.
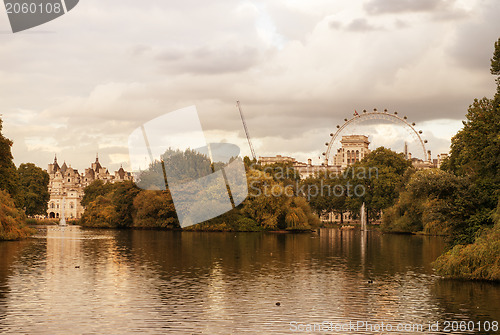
column 103, row 281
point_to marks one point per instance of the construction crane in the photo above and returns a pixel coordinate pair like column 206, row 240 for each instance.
column 246, row 130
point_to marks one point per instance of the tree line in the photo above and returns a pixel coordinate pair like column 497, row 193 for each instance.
column 125, row 205
column 23, row 192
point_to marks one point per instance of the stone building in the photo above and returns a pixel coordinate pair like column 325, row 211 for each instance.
column 66, row 186
column 354, row 148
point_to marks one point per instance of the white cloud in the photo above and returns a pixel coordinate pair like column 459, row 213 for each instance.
column 299, row 69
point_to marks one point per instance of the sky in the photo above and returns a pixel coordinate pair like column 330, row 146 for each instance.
column 81, row 84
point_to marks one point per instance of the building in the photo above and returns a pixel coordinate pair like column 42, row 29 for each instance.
column 66, row 186
column 277, row 159
column 354, row 148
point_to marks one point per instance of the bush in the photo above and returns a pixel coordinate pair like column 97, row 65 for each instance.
column 154, row 209
column 12, row 220
column 480, row 260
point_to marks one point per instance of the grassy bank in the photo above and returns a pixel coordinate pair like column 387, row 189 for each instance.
column 477, row 261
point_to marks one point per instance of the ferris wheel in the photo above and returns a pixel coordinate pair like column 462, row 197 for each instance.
column 376, row 115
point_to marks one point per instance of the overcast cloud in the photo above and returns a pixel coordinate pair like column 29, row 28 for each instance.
column 80, row 84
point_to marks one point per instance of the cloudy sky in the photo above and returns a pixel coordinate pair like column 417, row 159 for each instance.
column 82, row 83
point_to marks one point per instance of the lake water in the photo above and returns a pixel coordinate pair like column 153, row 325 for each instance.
column 76, row 281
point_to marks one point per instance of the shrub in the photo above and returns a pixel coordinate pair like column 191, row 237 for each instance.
column 12, row 220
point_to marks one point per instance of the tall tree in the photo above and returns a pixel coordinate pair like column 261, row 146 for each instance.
column 33, row 193
column 475, row 150
column 94, row 190
column 8, row 172
column 376, row 181
column 123, row 200
column 326, row 193
column 495, row 70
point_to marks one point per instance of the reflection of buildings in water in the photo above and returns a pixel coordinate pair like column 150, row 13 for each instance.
column 216, row 296
column 364, row 240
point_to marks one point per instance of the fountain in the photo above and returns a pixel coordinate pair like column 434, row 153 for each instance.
column 363, row 217
column 62, row 222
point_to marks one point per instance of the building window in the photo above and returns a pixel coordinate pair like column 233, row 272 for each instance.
column 71, row 205
column 52, row 205
column 69, row 180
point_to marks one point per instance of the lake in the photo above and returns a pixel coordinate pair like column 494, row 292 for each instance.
column 70, row 280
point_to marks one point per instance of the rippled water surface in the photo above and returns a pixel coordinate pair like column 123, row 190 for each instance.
column 76, row 281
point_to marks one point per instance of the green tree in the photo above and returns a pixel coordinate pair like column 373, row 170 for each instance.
column 33, row 193
column 326, row 193
column 475, row 150
column 436, row 202
column 123, row 196
column 155, row 209
column 479, row 260
column 376, row 181
column 100, row 213
column 495, row 61
column 94, row 190
column 495, row 70
column 475, row 153
column 8, row 171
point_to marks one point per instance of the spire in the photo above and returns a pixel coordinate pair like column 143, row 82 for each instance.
column 56, row 166
column 64, row 167
column 97, row 165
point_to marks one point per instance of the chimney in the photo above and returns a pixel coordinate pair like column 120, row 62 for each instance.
column 309, row 162
column 429, row 155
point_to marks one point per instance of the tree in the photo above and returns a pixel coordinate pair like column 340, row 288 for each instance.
column 8, row 172
column 155, row 209
column 436, row 202
column 274, row 206
column 100, row 213
column 475, row 150
column 123, row 196
column 479, row 260
column 267, row 200
column 495, row 70
column 475, row 153
column 376, row 181
column 11, row 219
column 326, row 193
column 495, row 61
column 94, row 190
column 33, row 193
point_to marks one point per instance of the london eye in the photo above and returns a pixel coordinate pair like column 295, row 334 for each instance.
column 378, row 116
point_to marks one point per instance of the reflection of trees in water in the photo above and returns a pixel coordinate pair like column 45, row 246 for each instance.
column 10, row 253
column 208, row 269
column 477, row 301
column 245, row 254
column 384, row 255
